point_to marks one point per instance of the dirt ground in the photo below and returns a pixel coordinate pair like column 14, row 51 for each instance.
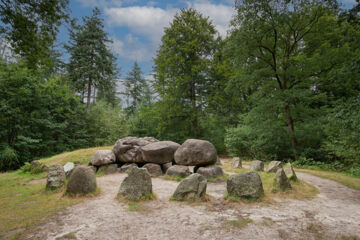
column 333, row 214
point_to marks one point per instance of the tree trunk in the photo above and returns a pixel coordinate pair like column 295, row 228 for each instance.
column 89, row 95
column 290, row 124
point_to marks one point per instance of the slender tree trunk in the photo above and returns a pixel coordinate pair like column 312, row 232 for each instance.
column 290, row 124
column 89, row 95
column 195, row 120
column 94, row 96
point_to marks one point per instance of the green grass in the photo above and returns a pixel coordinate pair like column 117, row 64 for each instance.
column 67, row 236
column 23, row 206
column 240, row 223
column 173, row 178
column 343, row 178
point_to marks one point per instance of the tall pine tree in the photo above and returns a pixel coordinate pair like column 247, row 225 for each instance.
column 92, row 67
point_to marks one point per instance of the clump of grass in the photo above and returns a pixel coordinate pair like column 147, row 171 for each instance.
column 240, row 223
column 70, row 235
column 343, row 237
column 173, row 178
column 267, row 222
column 147, row 197
column 135, row 207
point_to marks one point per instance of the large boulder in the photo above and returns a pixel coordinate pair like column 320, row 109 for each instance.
column 82, row 181
column 159, row 152
column 68, row 168
column 245, row 185
column 257, row 165
column 194, row 152
column 178, row 171
column 128, row 150
column 102, row 157
column 289, row 171
column 191, row 188
column 281, row 182
column 166, row 166
column 274, row 166
column 56, row 177
column 38, row 167
column 236, row 163
column 212, row 171
column 108, row 169
column 137, row 185
column 153, row 169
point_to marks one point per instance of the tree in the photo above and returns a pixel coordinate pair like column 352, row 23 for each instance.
column 31, row 27
column 182, row 67
column 282, row 49
column 92, row 65
column 135, row 87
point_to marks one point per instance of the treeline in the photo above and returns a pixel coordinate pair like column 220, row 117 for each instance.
column 283, row 84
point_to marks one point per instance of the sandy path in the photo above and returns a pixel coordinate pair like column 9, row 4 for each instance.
column 334, row 214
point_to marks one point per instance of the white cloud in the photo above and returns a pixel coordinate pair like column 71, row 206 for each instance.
column 131, row 48
column 105, row 3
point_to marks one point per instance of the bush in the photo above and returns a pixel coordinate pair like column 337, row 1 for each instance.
column 9, row 158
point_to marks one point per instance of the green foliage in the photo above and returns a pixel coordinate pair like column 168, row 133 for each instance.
column 9, row 158
column 26, row 167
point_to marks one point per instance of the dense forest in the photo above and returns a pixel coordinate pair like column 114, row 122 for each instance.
column 284, row 84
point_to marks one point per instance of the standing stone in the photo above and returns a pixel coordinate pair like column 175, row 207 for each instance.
column 137, row 185
column 194, row 152
column 281, row 181
column 191, row 188
column 236, row 163
column 166, row 166
column 212, row 171
column 56, row 177
column 178, row 171
column 153, row 169
column 274, row 166
column 257, row 165
column 102, row 157
column 245, row 185
column 68, row 168
column 82, row 181
column 289, row 171
column 159, row 152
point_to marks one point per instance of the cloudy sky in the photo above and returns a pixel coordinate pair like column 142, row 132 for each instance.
column 136, row 26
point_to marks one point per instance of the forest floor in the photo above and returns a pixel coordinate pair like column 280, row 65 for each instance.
column 333, row 214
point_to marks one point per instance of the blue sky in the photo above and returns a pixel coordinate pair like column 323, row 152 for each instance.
column 136, row 26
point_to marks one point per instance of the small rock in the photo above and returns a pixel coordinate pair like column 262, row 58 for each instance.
column 289, row 171
column 246, row 185
column 102, row 157
column 127, row 166
column 82, row 181
column 166, row 166
column 178, row 171
column 257, row 165
column 68, row 168
column 56, row 177
column 38, row 167
column 153, row 169
column 191, row 188
column 137, row 185
column 195, row 152
column 274, row 166
column 212, row 171
column 281, row 181
column 236, row 163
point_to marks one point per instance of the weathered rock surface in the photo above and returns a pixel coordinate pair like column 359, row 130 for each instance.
column 212, row 171
column 153, row 169
column 191, row 188
column 82, row 181
column 194, row 152
column 68, row 168
column 236, row 163
column 257, row 165
column 289, row 171
column 274, row 166
column 137, row 185
column 102, row 157
column 127, row 166
column 128, row 150
column 56, row 177
column 159, row 152
column 109, row 169
column 38, row 167
column 178, row 171
column 218, row 162
column 245, row 185
column 166, row 166
column 281, row 182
